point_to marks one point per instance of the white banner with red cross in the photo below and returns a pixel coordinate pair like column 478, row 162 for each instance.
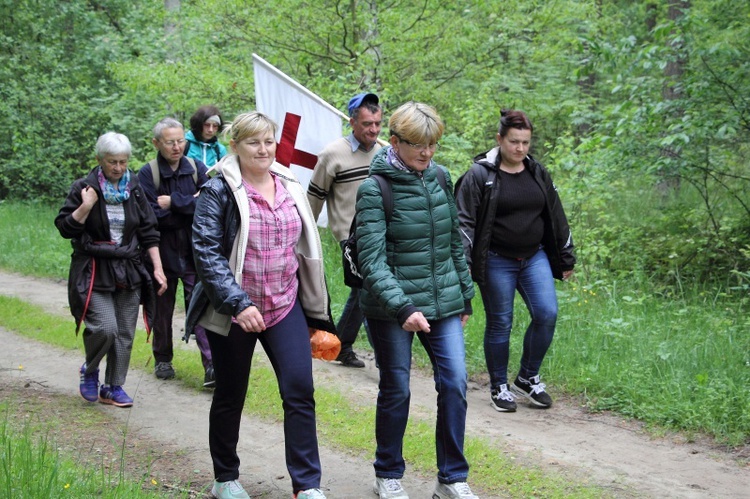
column 306, row 122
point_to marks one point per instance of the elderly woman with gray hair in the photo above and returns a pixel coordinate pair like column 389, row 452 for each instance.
column 110, row 225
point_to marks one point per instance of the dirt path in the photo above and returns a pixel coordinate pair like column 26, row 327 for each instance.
column 595, row 448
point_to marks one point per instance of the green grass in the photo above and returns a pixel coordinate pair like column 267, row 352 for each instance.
column 674, row 361
column 341, row 424
column 30, row 243
column 677, row 361
column 32, row 466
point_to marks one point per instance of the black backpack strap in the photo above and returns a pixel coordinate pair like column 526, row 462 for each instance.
column 441, row 178
column 385, row 192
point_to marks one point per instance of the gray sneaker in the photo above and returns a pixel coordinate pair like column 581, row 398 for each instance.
column 389, row 488
column 229, row 490
column 164, row 370
column 310, row 494
column 458, row 490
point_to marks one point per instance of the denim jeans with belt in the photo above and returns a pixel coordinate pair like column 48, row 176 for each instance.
column 532, row 277
column 445, row 347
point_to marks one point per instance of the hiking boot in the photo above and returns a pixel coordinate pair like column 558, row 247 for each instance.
column 532, row 389
column 349, row 359
column 164, row 370
column 228, row 490
column 310, row 494
column 389, row 488
column 114, row 395
column 502, row 399
column 458, row 490
column 209, row 379
column 89, row 385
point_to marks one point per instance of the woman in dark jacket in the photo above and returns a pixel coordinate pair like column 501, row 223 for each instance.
column 109, row 222
column 415, row 281
column 516, row 237
column 260, row 262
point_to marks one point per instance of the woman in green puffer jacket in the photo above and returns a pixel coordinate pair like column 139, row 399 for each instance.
column 415, row 280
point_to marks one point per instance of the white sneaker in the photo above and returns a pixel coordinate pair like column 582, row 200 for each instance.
column 310, row 494
column 228, row 490
column 458, row 490
column 389, row 488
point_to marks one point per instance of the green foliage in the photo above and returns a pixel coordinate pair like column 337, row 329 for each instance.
column 629, row 101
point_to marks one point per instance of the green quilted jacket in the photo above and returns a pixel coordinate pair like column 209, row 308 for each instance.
column 417, row 263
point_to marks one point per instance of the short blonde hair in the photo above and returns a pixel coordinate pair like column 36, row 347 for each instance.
column 417, row 123
column 249, row 125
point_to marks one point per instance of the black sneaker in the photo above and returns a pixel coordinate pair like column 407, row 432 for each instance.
column 209, row 380
column 164, row 370
column 532, row 389
column 502, row 399
column 349, row 359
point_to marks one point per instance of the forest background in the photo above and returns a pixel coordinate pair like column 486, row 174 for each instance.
column 641, row 111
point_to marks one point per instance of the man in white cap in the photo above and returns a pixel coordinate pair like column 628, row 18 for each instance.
column 341, row 168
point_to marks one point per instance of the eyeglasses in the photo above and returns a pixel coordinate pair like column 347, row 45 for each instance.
column 172, row 143
column 419, row 147
column 116, row 162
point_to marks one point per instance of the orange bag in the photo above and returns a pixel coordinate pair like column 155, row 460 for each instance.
column 324, row 345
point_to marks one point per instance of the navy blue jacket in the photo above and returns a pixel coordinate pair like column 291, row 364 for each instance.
column 175, row 224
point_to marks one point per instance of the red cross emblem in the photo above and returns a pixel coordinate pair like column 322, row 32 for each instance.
column 286, row 154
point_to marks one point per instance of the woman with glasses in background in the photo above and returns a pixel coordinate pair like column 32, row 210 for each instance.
column 415, row 281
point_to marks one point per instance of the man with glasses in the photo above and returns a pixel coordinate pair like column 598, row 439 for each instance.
column 171, row 183
column 341, row 168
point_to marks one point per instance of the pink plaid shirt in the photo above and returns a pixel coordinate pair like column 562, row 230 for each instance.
column 269, row 275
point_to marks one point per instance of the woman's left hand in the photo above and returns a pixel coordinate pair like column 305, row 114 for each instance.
column 567, row 274
column 161, row 280
column 416, row 323
column 464, row 319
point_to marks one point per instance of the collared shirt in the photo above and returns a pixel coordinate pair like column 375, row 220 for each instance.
column 269, row 275
column 357, row 144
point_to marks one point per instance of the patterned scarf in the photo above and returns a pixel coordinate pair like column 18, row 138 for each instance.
column 395, row 161
column 112, row 194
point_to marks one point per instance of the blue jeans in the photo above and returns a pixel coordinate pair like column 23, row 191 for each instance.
column 445, row 347
column 351, row 320
column 287, row 345
column 532, row 277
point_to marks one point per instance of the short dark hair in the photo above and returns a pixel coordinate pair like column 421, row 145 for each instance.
column 513, row 119
column 200, row 116
column 369, row 105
